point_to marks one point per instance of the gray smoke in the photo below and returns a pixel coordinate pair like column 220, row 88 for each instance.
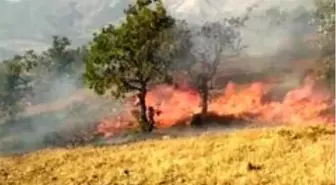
column 274, row 34
column 259, row 34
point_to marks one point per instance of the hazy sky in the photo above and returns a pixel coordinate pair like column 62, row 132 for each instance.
column 14, row 0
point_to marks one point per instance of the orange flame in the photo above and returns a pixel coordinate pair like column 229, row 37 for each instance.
column 305, row 104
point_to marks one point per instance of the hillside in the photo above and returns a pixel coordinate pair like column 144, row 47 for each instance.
column 271, row 156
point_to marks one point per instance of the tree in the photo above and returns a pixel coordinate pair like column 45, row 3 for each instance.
column 175, row 50
column 204, row 48
column 59, row 63
column 61, row 60
column 275, row 16
column 124, row 58
column 325, row 18
column 17, row 84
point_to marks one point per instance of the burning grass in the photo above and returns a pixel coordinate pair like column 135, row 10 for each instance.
column 295, row 155
column 308, row 103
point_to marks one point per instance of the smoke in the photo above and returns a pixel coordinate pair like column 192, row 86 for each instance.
column 276, row 33
column 270, row 28
column 276, row 36
column 57, row 89
column 260, row 35
column 27, row 132
column 63, row 122
column 61, row 113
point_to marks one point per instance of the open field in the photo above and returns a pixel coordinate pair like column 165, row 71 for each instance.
column 287, row 155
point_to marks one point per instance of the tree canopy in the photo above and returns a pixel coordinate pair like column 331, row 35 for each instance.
column 124, row 58
column 24, row 75
column 16, row 84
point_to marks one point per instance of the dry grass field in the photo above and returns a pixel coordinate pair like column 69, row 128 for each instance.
column 275, row 156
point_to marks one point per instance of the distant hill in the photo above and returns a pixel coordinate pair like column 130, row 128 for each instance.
column 31, row 23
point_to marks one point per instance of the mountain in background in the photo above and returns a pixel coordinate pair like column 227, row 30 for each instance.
column 30, row 24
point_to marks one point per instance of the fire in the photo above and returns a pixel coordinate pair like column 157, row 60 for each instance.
column 306, row 104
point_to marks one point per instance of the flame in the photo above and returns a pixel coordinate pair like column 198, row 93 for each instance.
column 306, row 104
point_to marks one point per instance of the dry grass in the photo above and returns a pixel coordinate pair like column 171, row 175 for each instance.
column 304, row 156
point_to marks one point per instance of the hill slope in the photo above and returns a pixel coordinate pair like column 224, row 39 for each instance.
column 272, row 156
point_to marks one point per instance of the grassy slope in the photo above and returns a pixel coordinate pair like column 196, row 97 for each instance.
column 302, row 156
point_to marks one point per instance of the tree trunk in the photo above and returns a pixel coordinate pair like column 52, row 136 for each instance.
column 204, row 92
column 168, row 79
column 204, row 99
column 198, row 119
column 144, row 123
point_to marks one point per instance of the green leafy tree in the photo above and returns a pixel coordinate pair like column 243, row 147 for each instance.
column 60, row 62
column 16, row 84
column 125, row 58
